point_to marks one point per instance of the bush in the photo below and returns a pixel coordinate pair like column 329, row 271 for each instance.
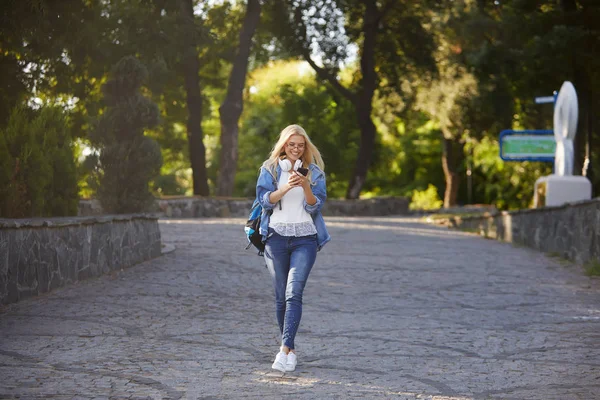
column 128, row 160
column 37, row 165
column 426, row 199
column 168, row 185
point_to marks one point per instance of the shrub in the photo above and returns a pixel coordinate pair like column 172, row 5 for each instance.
column 128, row 160
column 426, row 199
column 37, row 165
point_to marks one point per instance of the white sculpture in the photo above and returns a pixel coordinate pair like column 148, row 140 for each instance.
column 565, row 126
column 562, row 186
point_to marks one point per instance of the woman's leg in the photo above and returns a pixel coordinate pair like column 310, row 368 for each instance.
column 304, row 254
column 277, row 258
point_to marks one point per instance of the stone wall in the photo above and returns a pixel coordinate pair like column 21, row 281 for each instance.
column 571, row 231
column 377, row 206
column 38, row 255
column 204, row 207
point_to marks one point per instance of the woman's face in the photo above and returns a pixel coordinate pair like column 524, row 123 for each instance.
column 294, row 148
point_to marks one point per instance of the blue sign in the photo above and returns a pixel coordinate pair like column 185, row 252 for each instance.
column 527, row 145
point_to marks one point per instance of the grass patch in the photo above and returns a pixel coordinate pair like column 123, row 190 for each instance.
column 592, row 268
column 560, row 258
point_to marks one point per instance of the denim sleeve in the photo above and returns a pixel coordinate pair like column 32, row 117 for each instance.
column 264, row 187
column 319, row 189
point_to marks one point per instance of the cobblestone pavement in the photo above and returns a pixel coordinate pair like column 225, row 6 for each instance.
column 393, row 309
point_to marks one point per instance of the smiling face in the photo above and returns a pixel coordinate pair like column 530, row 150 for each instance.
column 294, row 148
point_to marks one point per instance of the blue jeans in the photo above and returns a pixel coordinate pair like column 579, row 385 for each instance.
column 289, row 261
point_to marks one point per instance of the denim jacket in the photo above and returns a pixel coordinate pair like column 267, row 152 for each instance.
column 267, row 183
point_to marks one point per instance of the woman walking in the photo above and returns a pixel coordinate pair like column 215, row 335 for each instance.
column 291, row 189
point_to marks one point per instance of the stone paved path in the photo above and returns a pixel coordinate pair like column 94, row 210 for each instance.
column 393, row 309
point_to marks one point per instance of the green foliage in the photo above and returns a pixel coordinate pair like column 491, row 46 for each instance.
column 169, row 185
column 592, row 268
column 507, row 185
column 426, row 199
column 492, row 59
column 127, row 158
column 286, row 93
column 407, row 151
column 37, row 165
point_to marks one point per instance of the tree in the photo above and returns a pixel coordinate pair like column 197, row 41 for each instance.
column 232, row 107
column 191, row 68
column 464, row 106
column 46, row 52
column 128, row 159
column 392, row 44
column 37, row 165
column 180, row 41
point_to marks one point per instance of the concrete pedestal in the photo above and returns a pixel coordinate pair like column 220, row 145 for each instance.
column 556, row 190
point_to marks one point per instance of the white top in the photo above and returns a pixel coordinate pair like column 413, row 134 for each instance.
column 292, row 219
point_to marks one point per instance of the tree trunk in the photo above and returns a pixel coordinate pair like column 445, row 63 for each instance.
column 452, row 157
column 191, row 67
column 365, row 151
column 231, row 109
column 364, row 101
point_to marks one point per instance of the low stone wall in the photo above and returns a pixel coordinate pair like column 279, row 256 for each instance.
column 571, row 231
column 377, row 206
column 38, row 255
column 205, row 207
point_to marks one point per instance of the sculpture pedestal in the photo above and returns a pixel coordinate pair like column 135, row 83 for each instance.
column 556, row 190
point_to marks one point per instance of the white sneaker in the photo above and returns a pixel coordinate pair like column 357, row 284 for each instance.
column 292, row 360
column 280, row 361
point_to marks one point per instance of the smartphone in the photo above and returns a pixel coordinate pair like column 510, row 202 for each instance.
column 303, row 171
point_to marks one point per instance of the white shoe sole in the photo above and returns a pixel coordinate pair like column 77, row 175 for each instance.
column 279, row 367
column 290, row 369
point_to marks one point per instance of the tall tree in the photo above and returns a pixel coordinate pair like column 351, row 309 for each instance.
column 232, row 107
column 464, row 106
column 391, row 41
column 465, row 109
column 191, row 68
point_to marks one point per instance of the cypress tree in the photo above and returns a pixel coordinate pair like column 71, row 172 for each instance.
column 128, row 159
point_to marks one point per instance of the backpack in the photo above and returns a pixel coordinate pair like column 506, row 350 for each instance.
column 252, row 228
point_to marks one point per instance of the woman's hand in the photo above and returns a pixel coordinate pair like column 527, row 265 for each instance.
column 296, row 180
column 303, row 182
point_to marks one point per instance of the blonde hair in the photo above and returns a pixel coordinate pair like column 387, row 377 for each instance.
column 311, row 153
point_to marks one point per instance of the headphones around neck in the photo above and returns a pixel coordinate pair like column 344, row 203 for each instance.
column 286, row 165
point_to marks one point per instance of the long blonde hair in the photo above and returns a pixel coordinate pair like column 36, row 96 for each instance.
column 311, row 153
